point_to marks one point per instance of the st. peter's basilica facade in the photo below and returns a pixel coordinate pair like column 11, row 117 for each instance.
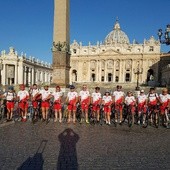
column 115, row 60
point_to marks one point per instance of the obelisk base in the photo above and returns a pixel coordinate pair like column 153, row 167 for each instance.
column 61, row 67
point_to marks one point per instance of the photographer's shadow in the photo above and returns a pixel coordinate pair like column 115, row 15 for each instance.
column 67, row 158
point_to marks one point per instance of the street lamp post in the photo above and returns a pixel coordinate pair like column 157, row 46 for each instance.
column 166, row 39
column 138, row 71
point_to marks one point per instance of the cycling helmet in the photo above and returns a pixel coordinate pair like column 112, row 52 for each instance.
column 10, row 88
column 72, row 87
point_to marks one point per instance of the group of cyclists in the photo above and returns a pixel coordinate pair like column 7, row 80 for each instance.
column 116, row 107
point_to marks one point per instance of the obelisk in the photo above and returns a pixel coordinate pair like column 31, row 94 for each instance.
column 61, row 43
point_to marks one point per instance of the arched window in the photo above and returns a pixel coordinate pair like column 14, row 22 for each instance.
column 110, row 76
column 117, row 79
column 74, row 74
column 127, row 77
column 93, row 77
column 102, row 78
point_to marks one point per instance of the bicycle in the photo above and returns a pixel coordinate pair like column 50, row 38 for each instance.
column 130, row 115
column 2, row 111
column 164, row 118
column 79, row 114
column 154, row 116
column 102, row 115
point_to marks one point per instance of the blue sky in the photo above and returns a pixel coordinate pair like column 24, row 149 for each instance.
column 27, row 25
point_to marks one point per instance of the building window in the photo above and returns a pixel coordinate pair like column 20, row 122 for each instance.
column 127, row 77
column 102, row 78
column 93, row 76
column 118, row 50
column 74, row 51
column 74, row 73
column 116, row 78
column 151, row 48
column 109, row 77
column 117, row 70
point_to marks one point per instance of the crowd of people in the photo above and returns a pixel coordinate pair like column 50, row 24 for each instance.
column 117, row 102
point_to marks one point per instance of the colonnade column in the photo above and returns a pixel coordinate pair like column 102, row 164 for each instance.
column 33, row 76
column 16, row 74
column 25, row 74
column 3, row 73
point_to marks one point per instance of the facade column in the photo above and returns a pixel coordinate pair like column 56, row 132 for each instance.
column 37, row 76
column 100, row 69
column 114, row 73
column 25, row 71
column 20, row 73
column 46, row 79
column 33, row 78
column 132, row 72
column 3, row 74
column 89, row 72
column 97, row 71
column 29, row 76
column 16, row 74
column 120, row 71
column 105, row 71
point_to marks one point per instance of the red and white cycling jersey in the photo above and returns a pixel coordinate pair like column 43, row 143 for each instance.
column 96, row 97
column 141, row 99
column 22, row 94
column 57, row 95
column 45, row 94
column 164, row 98
column 118, row 96
column 130, row 100
column 152, row 98
column 107, row 100
column 34, row 92
column 72, row 96
column 84, row 95
column 9, row 96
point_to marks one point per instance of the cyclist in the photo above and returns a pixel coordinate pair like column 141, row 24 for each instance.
column 23, row 97
column 45, row 104
column 152, row 102
column 118, row 99
column 130, row 101
column 10, row 97
column 71, row 100
column 84, row 99
column 164, row 99
column 141, row 106
column 35, row 97
column 96, row 101
column 57, row 103
column 107, row 101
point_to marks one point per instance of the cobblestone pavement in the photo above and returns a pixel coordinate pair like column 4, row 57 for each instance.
column 68, row 146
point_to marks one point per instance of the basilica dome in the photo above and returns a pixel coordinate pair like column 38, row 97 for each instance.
column 116, row 36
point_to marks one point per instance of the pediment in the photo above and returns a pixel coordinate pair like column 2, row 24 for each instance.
column 110, row 52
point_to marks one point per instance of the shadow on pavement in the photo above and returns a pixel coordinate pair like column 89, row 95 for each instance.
column 35, row 162
column 67, row 158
